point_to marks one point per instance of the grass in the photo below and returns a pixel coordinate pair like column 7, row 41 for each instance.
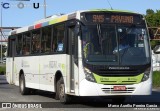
column 2, row 70
column 156, row 79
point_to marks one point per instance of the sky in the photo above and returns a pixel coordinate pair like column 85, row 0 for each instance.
column 16, row 17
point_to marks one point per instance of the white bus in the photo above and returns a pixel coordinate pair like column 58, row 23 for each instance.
column 86, row 53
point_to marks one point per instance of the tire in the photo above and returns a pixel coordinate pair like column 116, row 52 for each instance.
column 64, row 98
column 57, row 91
column 22, row 86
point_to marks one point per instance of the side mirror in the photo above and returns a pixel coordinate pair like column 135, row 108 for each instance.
column 156, row 49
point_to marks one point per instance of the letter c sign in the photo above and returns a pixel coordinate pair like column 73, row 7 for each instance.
column 5, row 5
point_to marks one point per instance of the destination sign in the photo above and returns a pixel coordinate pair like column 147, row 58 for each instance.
column 121, row 19
column 98, row 18
column 113, row 18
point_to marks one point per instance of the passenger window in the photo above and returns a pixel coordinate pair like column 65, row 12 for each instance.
column 19, row 45
column 26, row 43
column 36, row 42
column 58, row 42
column 46, row 40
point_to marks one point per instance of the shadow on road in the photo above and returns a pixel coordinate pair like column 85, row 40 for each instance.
column 3, row 80
column 100, row 102
column 85, row 101
column 3, row 83
column 2, row 77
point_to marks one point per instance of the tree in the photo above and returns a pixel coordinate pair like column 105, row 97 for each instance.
column 4, row 49
column 153, row 18
column 149, row 11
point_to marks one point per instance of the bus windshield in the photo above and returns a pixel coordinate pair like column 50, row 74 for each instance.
column 115, row 44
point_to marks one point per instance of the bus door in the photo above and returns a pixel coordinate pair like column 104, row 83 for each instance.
column 10, row 64
column 73, row 60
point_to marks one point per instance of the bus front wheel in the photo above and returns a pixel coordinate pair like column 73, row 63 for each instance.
column 22, row 86
column 64, row 98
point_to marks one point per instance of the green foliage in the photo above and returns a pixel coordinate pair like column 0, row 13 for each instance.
column 154, row 43
column 156, row 79
column 153, row 18
column 4, row 48
column 149, row 11
column 2, row 70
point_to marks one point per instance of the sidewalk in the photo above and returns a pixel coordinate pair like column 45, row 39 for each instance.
column 156, row 89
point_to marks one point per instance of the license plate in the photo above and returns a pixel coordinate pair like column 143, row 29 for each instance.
column 119, row 88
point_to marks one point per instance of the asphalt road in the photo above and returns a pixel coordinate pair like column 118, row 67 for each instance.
column 10, row 93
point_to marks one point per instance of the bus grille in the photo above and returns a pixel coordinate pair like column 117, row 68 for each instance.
column 111, row 90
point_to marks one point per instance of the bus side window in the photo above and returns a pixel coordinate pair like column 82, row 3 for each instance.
column 46, row 40
column 54, row 39
column 35, row 42
column 59, row 38
column 26, row 43
column 19, row 45
column 54, row 45
column 26, row 50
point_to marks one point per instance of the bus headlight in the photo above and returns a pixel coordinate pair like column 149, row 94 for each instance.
column 146, row 74
column 89, row 75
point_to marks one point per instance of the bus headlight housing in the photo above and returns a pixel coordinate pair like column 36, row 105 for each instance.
column 89, row 75
column 146, row 74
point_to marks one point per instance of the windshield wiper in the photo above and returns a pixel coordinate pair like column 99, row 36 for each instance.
column 100, row 37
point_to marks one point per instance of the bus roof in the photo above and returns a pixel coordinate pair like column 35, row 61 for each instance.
column 110, row 10
column 60, row 18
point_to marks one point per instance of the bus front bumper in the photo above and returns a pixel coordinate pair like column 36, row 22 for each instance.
column 87, row 88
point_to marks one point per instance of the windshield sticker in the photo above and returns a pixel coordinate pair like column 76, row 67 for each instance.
column 60, row 47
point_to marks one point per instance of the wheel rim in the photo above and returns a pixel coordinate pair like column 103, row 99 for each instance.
column 21, row 85
column 61, row 92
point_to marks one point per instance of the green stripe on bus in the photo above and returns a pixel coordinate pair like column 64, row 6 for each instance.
column 118, row 80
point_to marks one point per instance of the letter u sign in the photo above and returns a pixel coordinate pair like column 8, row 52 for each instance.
column 36, row 6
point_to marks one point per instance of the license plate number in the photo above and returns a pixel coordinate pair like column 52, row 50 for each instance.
column 119, row 88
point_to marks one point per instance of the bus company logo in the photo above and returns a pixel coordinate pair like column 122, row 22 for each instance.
column 6, row 105
column 120, row 68
column 20, row 5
